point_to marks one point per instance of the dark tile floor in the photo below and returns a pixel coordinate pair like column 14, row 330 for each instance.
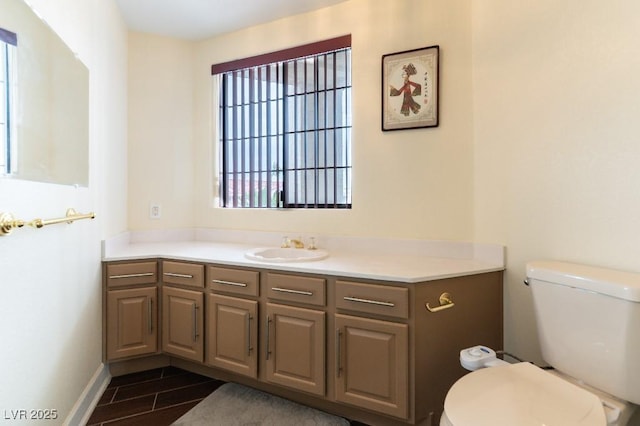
column 155, row 397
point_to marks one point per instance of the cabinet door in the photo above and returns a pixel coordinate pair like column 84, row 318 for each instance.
column 372, row 364
column 182, row 322
column 295, row 348
column 131, row 322
column 232, row 334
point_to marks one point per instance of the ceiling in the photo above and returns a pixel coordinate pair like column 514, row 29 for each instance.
column 200, row 19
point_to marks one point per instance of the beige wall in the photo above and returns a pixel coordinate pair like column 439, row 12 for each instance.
column 50, row 299
column 556, row 131
column 161, row 112
column 537, row 147
column 413, row 184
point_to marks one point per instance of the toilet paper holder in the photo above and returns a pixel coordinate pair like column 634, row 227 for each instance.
column 445, row 303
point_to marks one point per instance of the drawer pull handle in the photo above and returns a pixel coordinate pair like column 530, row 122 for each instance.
column 445, row 303
column 368, row 301
column 143, row 274
column 288, row 290
column 176, row 275
column 222, row 282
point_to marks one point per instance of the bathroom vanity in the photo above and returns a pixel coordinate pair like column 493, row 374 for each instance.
column 349, row 334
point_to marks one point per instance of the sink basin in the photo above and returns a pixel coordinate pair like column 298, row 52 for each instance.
column 281, row 255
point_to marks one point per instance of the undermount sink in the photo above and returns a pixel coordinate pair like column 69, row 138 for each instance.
column 277, row 254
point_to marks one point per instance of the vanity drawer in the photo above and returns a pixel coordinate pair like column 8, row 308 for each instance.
column 122, row 274
column 373, row 299
column 293, row 288
column 234, row 281
column 190, row 274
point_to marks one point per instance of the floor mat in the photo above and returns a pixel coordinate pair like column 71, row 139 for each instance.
column 236, row 405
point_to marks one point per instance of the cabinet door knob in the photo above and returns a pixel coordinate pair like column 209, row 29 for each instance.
column 445, row 303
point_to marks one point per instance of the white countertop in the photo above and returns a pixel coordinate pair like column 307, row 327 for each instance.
column 408, row 261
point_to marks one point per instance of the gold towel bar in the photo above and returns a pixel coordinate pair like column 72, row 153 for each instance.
column 8, row 223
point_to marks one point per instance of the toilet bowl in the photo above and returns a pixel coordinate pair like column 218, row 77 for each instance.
column 588, row 321
column 525, row 395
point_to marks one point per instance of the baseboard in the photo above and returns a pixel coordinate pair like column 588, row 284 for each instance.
column 89, row 398
column 135, row 365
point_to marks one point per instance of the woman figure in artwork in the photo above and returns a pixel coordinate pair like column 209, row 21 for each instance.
column 408, row 90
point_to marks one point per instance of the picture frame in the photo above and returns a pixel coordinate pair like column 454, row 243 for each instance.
column 410, row 89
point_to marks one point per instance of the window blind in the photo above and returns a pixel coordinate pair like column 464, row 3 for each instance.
column 285, row 137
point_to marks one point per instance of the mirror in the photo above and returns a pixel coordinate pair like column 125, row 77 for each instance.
column 44, row 119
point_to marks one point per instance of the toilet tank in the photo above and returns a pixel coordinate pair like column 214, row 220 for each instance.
column 589, row 324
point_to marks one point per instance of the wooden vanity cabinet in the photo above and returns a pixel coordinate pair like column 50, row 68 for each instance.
column 295, row 347
column 232, row 320
column 132, row 322
column 413, row 341
column 368, row 350
column 292, row 337
column 182, row 310
column 437, row 337
column 372, row 355
column 182, row 323
column 295, row 332
column 131, row 309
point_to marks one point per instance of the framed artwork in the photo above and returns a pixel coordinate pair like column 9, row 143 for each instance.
column 410, row 89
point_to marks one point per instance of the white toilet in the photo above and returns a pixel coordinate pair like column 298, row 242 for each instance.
column 589, row 329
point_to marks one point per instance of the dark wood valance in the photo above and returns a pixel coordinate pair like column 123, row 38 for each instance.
column 284, row 55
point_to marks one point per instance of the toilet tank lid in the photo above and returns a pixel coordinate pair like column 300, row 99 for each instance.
column 620, row 284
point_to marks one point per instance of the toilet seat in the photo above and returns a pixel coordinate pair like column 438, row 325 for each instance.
column 520, row 394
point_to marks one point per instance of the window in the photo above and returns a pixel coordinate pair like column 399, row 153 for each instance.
column 8, row 42
column 285, row 128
